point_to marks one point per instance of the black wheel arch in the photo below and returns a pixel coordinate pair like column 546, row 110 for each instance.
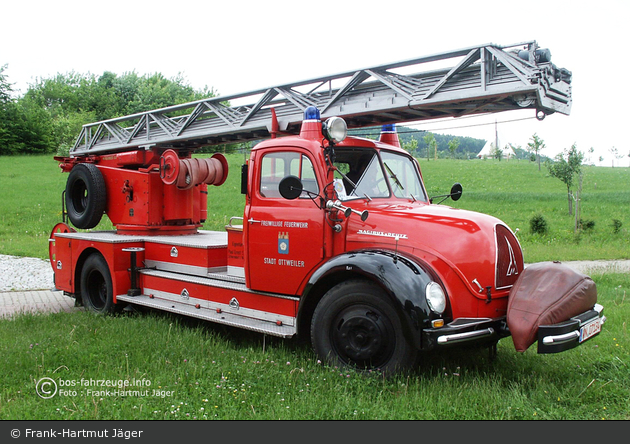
column 404, row 280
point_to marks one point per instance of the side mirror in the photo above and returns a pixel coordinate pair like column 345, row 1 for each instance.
column 456, row 191
column 290, row 187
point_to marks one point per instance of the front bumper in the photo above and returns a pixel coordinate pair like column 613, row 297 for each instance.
column 554, row 338
column 571, row 333
column 465, row 330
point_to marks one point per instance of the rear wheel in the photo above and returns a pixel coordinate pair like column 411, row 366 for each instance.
column 355, row 325
column 97, row 291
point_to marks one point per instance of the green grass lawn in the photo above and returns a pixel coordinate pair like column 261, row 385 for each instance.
column 206, row 371
column 513, row 191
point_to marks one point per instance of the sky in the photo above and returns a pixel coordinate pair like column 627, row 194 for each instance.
column 242, row 46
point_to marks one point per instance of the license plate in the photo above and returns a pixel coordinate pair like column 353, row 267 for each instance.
column 589, row 330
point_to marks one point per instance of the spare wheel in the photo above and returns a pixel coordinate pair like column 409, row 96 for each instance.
column 86, row 197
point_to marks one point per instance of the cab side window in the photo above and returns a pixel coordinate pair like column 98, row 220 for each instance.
column 276, row 166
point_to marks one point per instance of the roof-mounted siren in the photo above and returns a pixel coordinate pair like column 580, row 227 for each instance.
column 389, row 135
column 311, row 125
column 334, row 129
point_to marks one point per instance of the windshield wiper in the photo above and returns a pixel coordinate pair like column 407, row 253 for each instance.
column 345, row 177
column 352, row 184
column 393, row 176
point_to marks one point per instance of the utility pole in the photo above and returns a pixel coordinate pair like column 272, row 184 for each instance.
column 498, row 152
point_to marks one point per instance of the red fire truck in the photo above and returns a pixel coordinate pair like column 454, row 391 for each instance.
column 339, row 240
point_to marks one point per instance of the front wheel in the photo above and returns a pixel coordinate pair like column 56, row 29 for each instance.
column 355, row 325
column 97, row 293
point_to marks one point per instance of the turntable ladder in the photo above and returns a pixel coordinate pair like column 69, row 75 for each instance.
column 481, row 79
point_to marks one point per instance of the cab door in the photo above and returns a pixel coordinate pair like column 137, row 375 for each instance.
column 285, row 238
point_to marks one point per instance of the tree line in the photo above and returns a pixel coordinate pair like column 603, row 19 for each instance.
column 49, row 116
column 424, row 144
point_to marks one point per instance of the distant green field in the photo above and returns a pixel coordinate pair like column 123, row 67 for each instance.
column 513, row 191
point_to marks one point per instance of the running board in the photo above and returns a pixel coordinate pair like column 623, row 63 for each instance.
column 219, row 316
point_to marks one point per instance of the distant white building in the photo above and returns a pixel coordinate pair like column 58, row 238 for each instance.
column 488, row 149
column 488, row 152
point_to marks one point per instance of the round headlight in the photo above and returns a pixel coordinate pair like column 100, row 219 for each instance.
column 435, row 297
column 335, row 129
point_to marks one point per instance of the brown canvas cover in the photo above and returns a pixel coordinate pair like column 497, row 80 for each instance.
column 546, row 293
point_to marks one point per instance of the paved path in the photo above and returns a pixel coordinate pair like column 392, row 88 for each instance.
column 14, row 302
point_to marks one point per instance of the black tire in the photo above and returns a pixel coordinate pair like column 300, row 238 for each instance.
column 97, row 292
column 355, row 325
column 86, row 197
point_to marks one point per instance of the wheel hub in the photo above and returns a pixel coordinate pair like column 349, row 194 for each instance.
column 362, row 337
column 97, row 289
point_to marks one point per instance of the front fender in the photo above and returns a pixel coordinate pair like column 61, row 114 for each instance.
column 403, row 279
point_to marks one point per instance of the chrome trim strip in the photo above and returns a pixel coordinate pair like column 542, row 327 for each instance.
column 561, row 339
column 466, row 336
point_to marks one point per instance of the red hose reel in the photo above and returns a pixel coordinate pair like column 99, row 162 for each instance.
column 187, row 173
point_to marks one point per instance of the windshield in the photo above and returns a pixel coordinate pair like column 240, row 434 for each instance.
column 403, row 176
column 366, row 175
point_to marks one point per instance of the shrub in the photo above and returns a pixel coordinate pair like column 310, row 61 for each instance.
column 616, row 226
column 538, row 224
column 586, row 224
column 63, row 150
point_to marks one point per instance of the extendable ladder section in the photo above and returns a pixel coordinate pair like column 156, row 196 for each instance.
column 480, row 79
